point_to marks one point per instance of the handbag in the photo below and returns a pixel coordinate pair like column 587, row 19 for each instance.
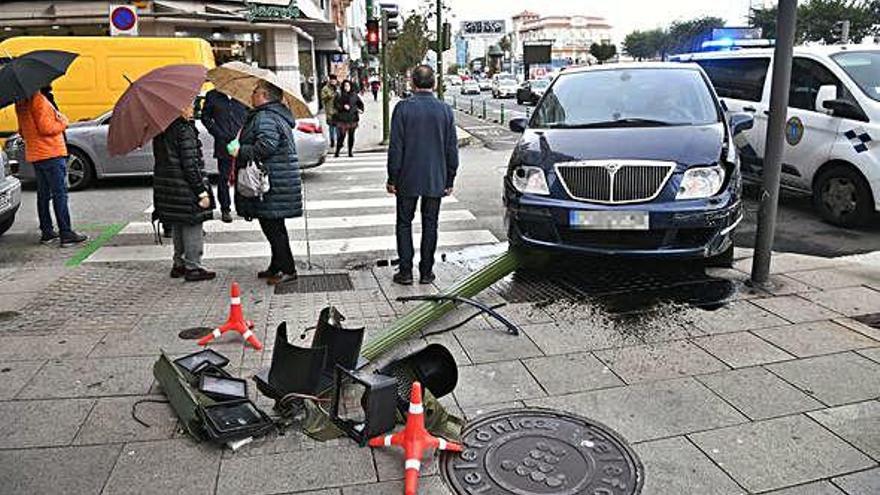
column 252, row 180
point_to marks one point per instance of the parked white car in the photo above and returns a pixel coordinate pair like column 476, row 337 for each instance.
column 10, row 194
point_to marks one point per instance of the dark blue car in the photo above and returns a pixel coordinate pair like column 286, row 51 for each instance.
column 627, row 160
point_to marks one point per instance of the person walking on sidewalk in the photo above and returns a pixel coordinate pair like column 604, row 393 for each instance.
column 42, row 127
column 182, row 194
column 374, row 87
column 348, row 109
column 328, row 99
column 267, row 139
column 422, row 163
column 223, row 117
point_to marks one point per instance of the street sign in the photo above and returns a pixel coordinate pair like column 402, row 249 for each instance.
column 475, row 28
column 123, row 21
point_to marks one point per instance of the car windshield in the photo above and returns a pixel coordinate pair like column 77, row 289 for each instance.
column 627, row 98
column 864, row 69
column 540, row 84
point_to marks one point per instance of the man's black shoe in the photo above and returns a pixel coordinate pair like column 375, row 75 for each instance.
column 199, row 275
column 268, row 273
column 427, row 278
column 281, row 278
column 178, row 272
column 226, row 217
column 403, row 278
column 50, row 238
column 72, row 239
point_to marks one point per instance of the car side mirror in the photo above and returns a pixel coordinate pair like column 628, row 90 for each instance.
column 519, row 125
column 844, row 109
column 826, row 93
column 741, row 122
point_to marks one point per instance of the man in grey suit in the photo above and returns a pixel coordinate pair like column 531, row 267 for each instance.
column 422, row 163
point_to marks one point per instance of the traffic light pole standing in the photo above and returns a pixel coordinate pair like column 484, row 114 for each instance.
column 386, row 119
column 440, row 89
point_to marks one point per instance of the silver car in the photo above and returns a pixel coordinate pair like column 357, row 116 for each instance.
column 10, row 195
column 90, row 161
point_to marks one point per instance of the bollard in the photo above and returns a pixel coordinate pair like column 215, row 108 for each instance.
column 502, row 114
column 484, row 109
column 472, row 106
column 454, row 103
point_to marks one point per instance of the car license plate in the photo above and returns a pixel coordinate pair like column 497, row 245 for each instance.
column 4, row 201
column 609, row 220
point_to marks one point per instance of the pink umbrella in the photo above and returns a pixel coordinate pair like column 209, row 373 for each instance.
column 151, row 104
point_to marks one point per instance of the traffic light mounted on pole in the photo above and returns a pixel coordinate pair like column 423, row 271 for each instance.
column 390, row 27
column 373, row 37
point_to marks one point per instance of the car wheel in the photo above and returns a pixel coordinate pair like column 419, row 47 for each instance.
column 723, row 260
column 6, row 224
column 843, row 197
column 80, row 172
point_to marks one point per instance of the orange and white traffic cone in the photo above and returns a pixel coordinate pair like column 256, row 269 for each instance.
column 235, row 322
column 415, row 440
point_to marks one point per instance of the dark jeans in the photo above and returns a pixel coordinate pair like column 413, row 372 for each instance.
column 51, row 177
column 406, row 211
column 276, row 233
column 224, row 166
column 340, row 138
column 334, row 133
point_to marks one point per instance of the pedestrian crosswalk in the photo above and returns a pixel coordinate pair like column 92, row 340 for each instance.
column 350, row 219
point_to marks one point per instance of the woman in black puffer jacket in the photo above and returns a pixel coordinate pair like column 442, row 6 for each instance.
column 348, row 113
column 182, row 195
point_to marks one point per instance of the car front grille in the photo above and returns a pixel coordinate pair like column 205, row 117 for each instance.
column 614, row 183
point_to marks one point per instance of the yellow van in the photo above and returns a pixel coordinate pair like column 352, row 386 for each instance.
column 97, row 77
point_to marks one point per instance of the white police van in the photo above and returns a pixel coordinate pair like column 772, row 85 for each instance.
column 832, row 145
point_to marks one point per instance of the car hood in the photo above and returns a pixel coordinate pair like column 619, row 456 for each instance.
column 685, row 145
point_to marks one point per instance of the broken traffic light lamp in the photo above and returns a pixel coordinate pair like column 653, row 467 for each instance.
column 373, row 37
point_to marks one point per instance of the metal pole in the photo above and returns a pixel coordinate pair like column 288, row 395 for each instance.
column 501, row 119
column 785, row 21
column 484, row 109
column 472, row 106
column 844, row 32
column 386, row 117
column 440, row 89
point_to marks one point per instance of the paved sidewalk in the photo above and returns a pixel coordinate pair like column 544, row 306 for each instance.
column 771, row 393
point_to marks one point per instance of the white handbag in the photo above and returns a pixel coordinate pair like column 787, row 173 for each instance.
column 252, row 181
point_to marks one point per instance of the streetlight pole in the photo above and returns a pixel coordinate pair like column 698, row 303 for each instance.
column 440, row 88
column 386, row 122
column 785, row 21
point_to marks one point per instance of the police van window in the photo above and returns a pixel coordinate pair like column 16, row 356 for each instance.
column 737, row 78
column 807, row 76
column 864, row 69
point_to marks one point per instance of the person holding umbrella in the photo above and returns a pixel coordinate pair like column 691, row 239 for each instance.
column 223, row 117
column 348, row 109
column 25, row 81
column 267, row 139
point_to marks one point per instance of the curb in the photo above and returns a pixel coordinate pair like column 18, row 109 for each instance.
column 465, row 139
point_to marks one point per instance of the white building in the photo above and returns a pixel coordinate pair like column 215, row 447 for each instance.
column 571, row 35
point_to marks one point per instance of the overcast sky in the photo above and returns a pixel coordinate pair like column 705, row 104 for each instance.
column 624, row 15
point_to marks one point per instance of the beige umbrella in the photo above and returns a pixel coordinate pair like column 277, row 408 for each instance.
column 238, row 79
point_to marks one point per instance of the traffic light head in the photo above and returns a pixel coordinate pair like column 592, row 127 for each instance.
column 373, row 37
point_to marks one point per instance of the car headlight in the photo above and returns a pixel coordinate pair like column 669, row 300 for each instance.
column 701, row 182
column 530, row 180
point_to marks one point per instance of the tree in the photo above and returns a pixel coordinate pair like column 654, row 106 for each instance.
column 603, row 51
column 817, row 20
column 453, row 69
column 645, row 44
column 410, row 47
column 688, row 36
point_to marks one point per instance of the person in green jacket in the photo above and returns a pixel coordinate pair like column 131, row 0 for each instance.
column 328, row 97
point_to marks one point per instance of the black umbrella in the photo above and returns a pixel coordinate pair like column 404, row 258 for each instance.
column 23, row 76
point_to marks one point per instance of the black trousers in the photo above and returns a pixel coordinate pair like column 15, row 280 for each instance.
column 276, row 233
column 341, row 137
column 406, row 211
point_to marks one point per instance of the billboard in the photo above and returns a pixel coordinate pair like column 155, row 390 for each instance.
column 537, row 53
column 476, row 28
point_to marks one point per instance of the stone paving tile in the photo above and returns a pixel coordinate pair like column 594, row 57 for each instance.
column 14, row 376
column 836, row 379
column 791, row 262
column 864, row 483
column 795, row 309
column 736, row 317
column 145, row 343
column 20, row 348
column 759, row 394
column 494, row 383
column 91, row 378
column 110, row 421
column 659, row 361
column 779, row 453
column 649, row 411
column 815, row 338
column 857, row 326
column 170, row 466
column 295, row 472
column 741, row 349
column 853, row 301
column 820, row 488
column 41, row 423
column 674, row 466
column 872, row 354
column 389, row 464
column 785, row 285
column 68, row 470
column 432, row 485
column 486, row 346
column 452, row 344
column 557, row 338
column 838, row 278
column 473, row 412
column 571, row 373
column 858, row 424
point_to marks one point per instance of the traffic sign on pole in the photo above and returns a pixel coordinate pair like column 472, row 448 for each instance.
column 123, row 21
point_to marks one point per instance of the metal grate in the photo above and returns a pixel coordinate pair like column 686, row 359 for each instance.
column 325, row 282
column 614, row 183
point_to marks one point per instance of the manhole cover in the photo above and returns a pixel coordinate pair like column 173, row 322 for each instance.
column 872, row 320
column 194, row 333
column 539, row 451
column 326, row 282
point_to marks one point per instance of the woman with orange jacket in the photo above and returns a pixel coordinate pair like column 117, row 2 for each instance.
column 42, row 128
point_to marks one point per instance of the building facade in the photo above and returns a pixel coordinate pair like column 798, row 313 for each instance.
column 571, row 35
